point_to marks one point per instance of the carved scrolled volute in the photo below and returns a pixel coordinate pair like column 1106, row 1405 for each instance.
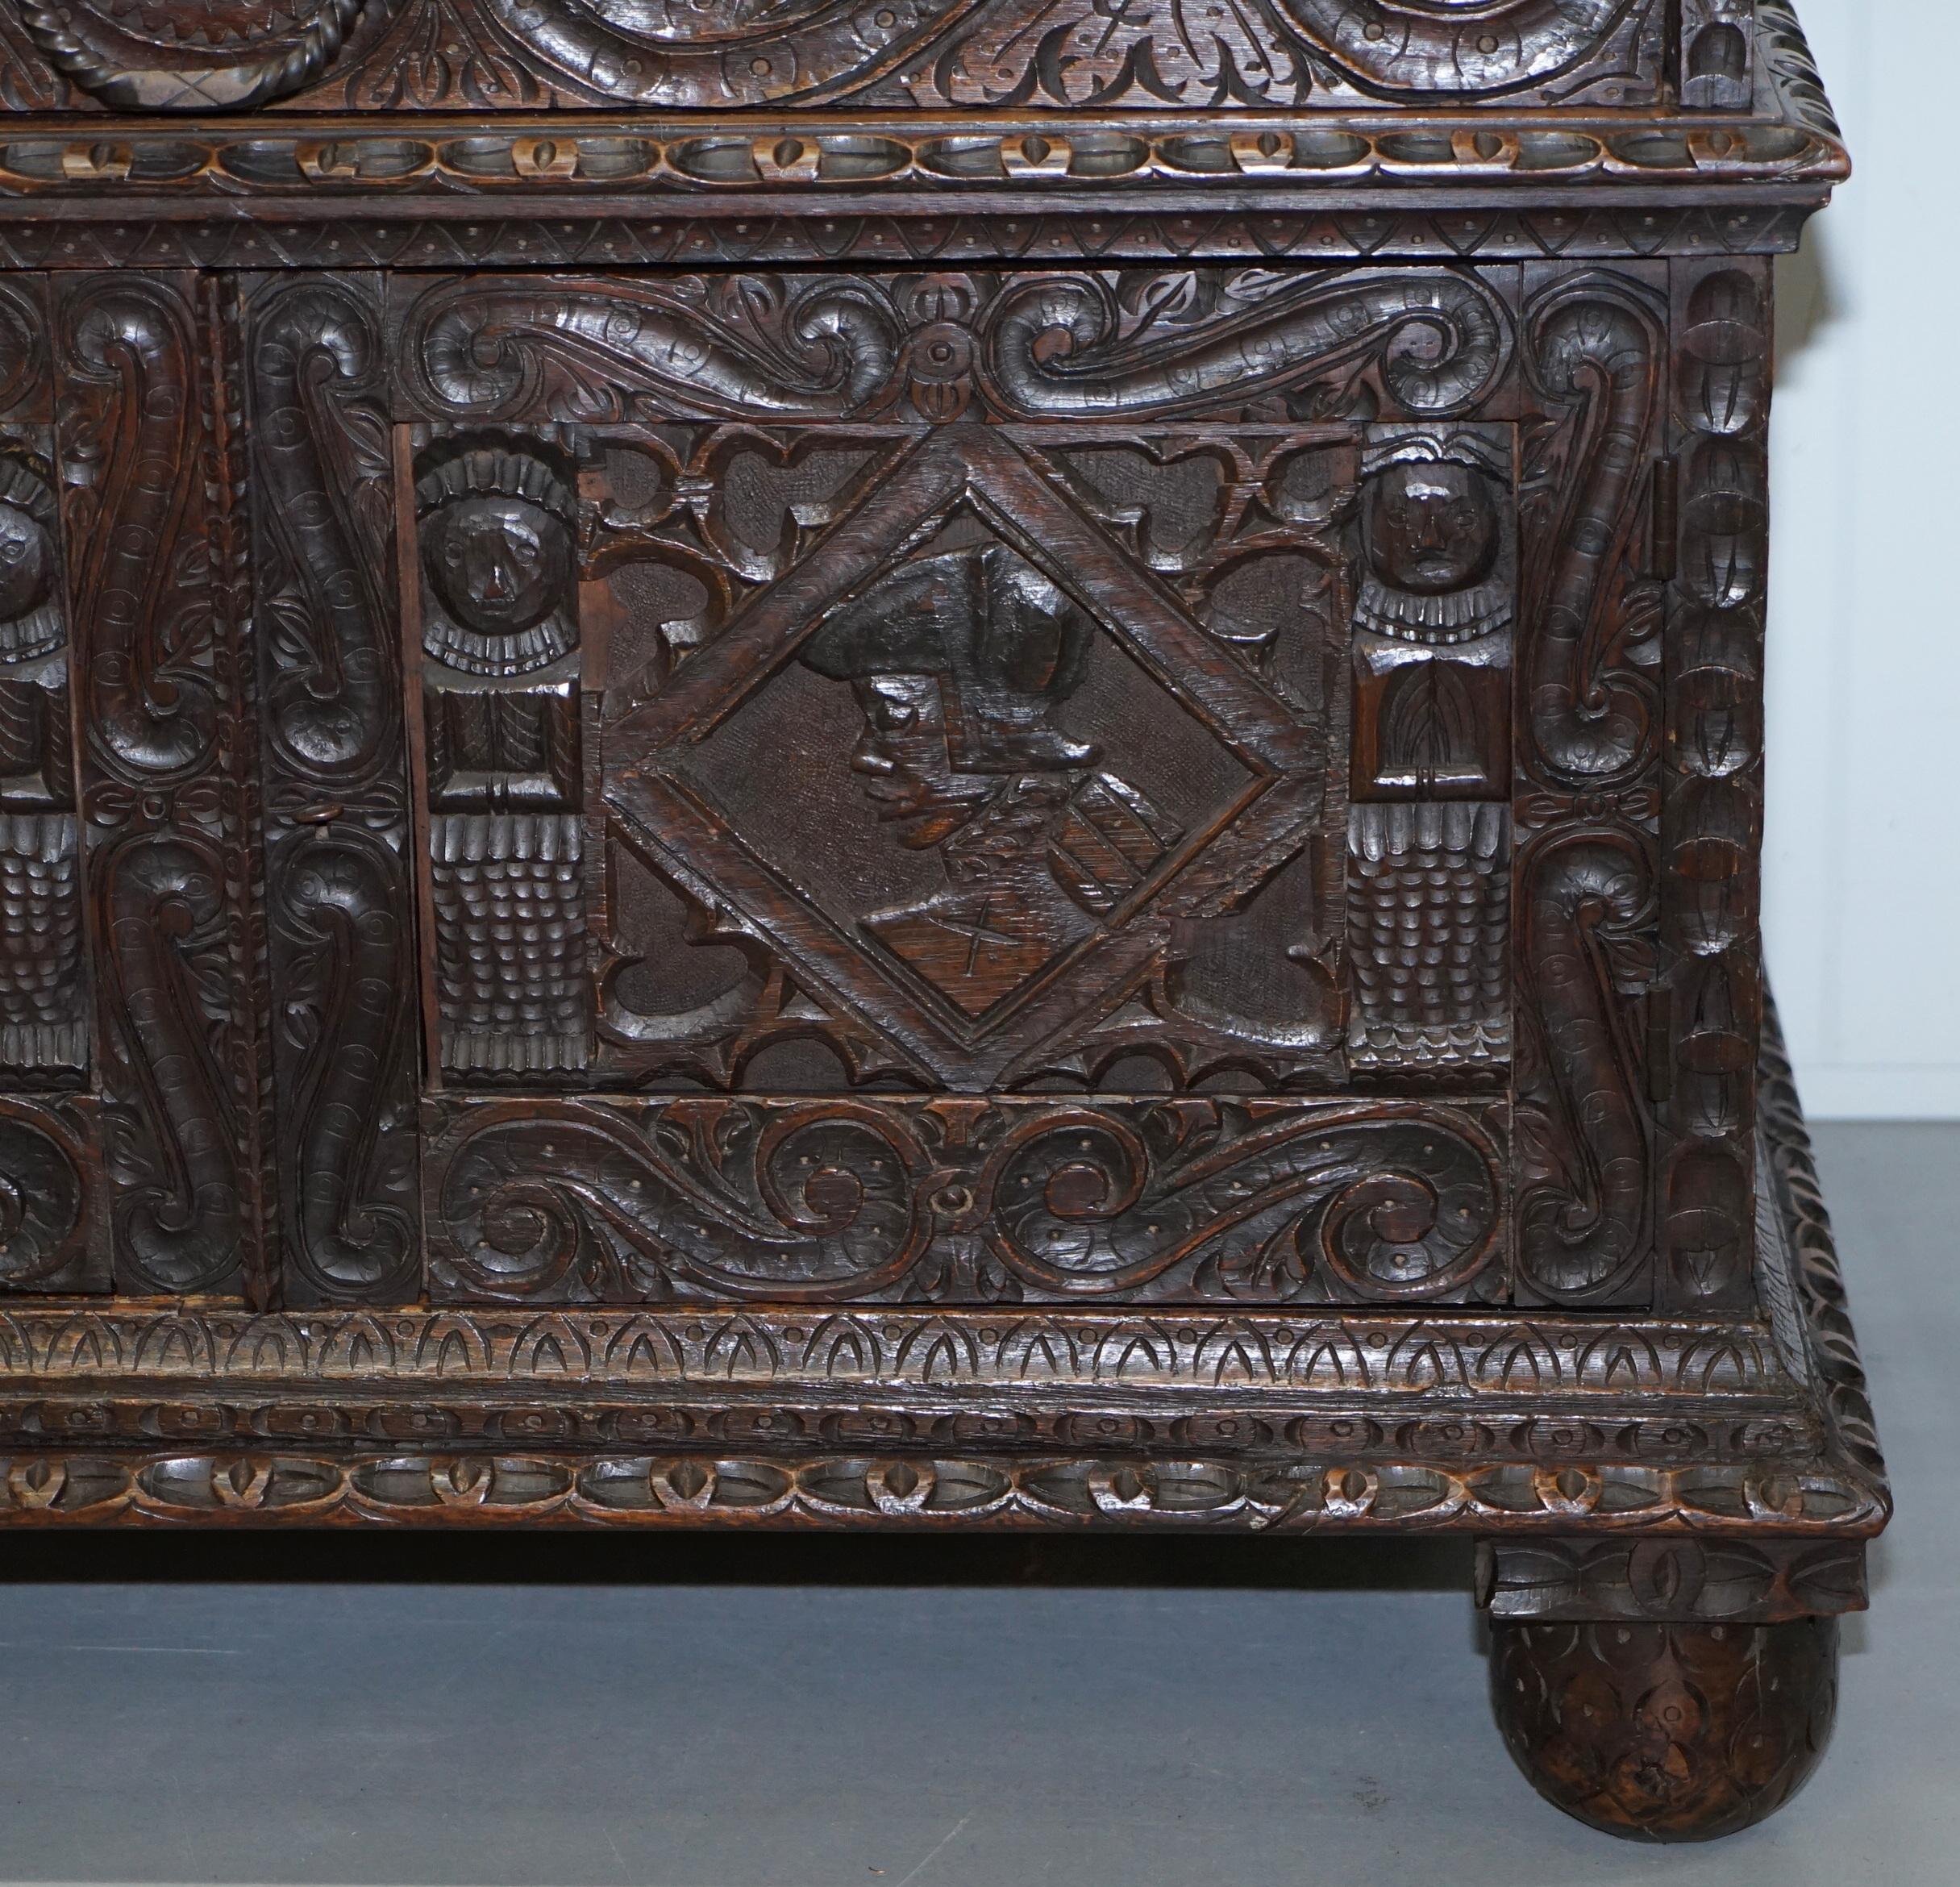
column 1432, row 342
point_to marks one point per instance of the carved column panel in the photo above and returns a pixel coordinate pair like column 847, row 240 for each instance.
column 53, row 1236
column 1430, row 828
column 1589, row 785
column 1713, row 827
column 147, row 435
column 339, row 895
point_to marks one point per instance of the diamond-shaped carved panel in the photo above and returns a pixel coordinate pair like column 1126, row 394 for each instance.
column 985, row 769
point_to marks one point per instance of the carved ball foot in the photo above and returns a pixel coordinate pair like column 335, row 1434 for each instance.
column 1666, row 1732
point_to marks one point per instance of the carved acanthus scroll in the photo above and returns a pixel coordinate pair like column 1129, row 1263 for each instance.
column 833, row 1201
column 1587, row 808
column 1435, row 344
column 146, row 435
column 343, row 965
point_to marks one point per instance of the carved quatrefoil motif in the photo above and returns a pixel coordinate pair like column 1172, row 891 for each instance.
column 1025, row 762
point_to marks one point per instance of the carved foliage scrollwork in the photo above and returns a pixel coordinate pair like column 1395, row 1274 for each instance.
column 143, row 438
column 1586, row 890
column 736, row 347
column 337, row 824
column 915, row 54
column 1434, row 343
column 1119, row 345
column 829, row 1201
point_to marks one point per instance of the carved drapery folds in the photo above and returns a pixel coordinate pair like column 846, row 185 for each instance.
column 1586, row 888
column 343, row 961
column 1712, row 829
column 147, row 437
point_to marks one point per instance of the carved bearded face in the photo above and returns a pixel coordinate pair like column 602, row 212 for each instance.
column 26, row 568
column 500, row 565
column 1431, row 528
column 906, row 764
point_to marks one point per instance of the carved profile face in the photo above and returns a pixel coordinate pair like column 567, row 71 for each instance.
column 906, row 760
column 27, row 564
column 498, row 564
column 1432, row 528
column 958, row 662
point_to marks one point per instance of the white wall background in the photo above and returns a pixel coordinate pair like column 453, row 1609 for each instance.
column 1863, row 900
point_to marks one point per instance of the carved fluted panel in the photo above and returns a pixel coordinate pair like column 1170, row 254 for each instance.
column 146, row 436
column 339, row 895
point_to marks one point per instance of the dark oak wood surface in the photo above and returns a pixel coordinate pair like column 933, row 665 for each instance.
column 989, row 762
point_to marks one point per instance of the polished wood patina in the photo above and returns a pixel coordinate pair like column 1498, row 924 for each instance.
column 970, row 763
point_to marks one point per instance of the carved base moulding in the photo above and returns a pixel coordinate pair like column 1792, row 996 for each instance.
column 991, row 765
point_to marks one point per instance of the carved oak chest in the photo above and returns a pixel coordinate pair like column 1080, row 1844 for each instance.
column 925, row 764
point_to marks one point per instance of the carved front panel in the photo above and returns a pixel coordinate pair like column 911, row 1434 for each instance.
column 938, row 715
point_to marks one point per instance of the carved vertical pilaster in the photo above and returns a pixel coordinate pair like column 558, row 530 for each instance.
column 337, row 818
column 1584, row 898
column 1713, row 825
column 166, row 753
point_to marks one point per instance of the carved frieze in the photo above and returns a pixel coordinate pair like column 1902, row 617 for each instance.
column 224, row 55
column 833, row 1201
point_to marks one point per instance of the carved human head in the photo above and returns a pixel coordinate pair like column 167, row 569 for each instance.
column 26, row 562
column 500, row 564
column 499, row 556
column 1433, row 514
column 957, row 661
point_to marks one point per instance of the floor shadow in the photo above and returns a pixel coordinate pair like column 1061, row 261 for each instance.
column 1222, row 1562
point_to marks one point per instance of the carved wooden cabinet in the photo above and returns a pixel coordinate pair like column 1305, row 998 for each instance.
column 946, row 764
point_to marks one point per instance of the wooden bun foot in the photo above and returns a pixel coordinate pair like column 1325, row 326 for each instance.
column 1666, row 1732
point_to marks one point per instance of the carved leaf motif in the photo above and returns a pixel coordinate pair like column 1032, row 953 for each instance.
column 834, row 1201
column 1430, row 342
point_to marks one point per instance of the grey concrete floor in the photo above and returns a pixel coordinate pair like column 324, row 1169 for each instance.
column 770, row 1713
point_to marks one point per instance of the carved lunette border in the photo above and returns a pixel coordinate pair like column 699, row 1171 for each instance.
column 870, row 162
